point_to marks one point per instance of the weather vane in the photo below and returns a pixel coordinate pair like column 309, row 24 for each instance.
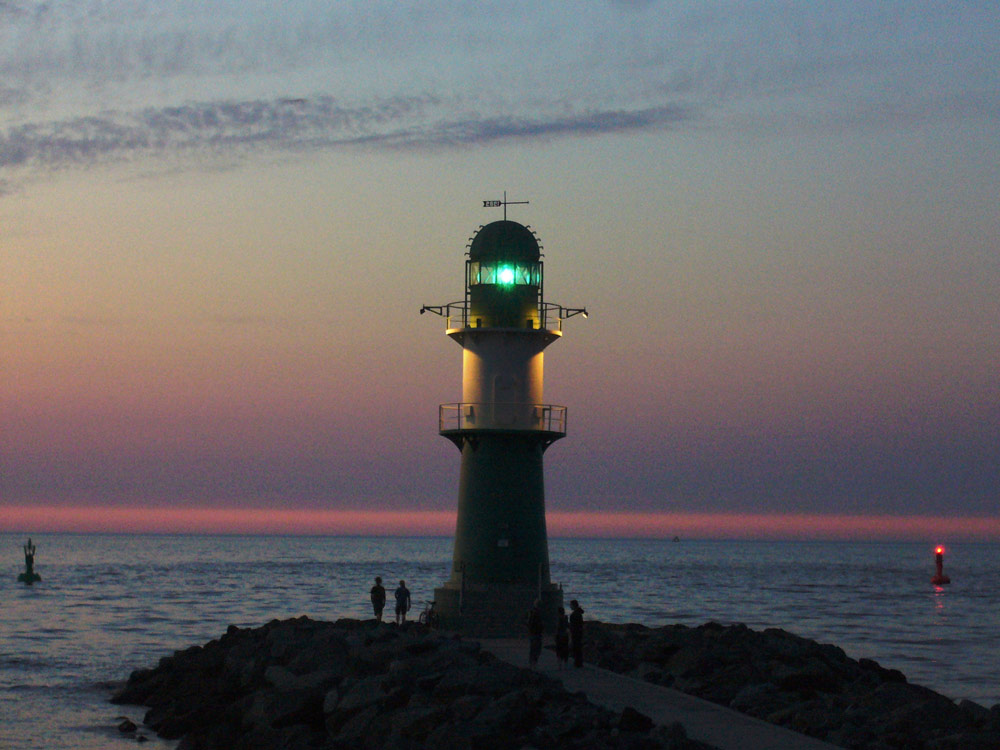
column 504, row 203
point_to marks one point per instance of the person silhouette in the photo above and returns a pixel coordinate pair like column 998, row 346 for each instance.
column 576, row 632
column 378, row 598
column 562, row 639
column 402, row 602
column 535, row 630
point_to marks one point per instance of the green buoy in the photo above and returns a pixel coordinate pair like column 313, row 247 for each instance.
column 29, row 576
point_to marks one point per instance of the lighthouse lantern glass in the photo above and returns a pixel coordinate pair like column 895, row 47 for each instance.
column 506, row 274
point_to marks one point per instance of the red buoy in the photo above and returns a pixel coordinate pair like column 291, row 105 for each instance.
column 939, row 578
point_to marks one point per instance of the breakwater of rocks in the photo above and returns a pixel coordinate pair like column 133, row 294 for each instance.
column 812, row 688
column 302, row 684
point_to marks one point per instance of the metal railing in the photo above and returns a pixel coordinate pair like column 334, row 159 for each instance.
column 550, row 316
column 502, row 416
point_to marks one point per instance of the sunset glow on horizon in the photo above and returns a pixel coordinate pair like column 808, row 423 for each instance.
column 260, row 521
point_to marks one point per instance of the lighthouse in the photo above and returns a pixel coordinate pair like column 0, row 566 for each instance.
column 500, row 564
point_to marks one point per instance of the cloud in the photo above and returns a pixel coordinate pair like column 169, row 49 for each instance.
column 485, row 130
column 92, row 83
column 292, row 123
column 158, row 130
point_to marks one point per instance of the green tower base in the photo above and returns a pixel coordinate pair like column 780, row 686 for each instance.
column 496, row 610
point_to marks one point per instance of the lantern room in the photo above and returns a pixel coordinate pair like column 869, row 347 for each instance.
column 504, row 277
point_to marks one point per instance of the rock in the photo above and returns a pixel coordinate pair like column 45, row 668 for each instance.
column 280, row 677
column 964, row 741
column 359, row 728
column 811, row 687
column 304, row 684
column 513, row 714
column 307, row 684
column 359, row 694
column 813, row 718
column 980, row 714
column 886, row 675
column 418, row 722
column 282, row 708
column 810, row 676
column 127, row 725
column 466, row 707
column 453, row 736
column 478, row 679
column 633, row 721
column 760, row 699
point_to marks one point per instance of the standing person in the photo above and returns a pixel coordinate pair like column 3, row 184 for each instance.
column 576, row 632
column 378, row 598
column 402, row 602
column 562, row 639
column 534, row 634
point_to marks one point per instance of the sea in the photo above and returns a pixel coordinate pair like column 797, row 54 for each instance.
column 109, row 604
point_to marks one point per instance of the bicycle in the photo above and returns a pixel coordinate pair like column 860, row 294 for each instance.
column 428, row 617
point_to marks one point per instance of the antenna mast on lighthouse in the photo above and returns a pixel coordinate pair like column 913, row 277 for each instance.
column 504, row 203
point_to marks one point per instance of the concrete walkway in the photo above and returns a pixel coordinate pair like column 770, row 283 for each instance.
column 707, row 722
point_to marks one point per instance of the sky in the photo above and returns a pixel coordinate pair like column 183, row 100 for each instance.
column 220, row 220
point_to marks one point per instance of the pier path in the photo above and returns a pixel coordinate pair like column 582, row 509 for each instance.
column 704, row 721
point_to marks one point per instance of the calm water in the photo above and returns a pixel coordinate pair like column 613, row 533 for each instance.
column 109, row 604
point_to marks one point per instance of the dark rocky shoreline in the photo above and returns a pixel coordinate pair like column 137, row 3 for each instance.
column 302, row 684
column 306, row 684
column 812, row 688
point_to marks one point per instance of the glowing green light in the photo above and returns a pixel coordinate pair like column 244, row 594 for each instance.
column 506, row 275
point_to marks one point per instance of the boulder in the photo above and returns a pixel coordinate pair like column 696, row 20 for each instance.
column 811, row 687
column 634, row 721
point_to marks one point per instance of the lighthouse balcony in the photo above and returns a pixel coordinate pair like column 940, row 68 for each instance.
column 464, row 417
column 459, row 317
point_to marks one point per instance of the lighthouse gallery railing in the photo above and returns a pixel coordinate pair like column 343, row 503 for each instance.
column 457, row 315
column 502, row 416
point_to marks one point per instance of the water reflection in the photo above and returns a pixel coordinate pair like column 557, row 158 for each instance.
column 939, row 596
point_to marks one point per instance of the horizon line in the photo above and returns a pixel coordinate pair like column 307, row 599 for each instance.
column 436, row 523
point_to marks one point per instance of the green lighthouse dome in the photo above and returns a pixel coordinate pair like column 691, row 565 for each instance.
column 504, row 241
